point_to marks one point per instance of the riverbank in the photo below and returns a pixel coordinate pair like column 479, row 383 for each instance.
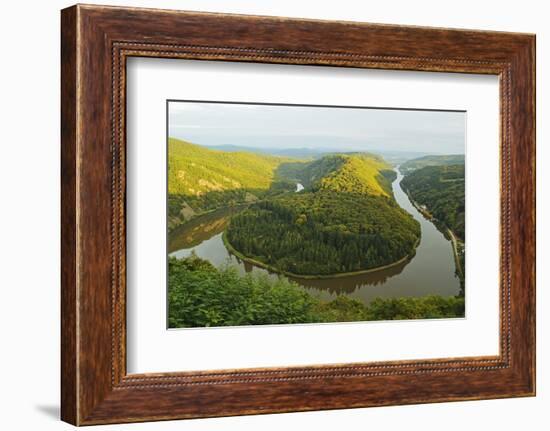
column 270, row 268
column 232, row 207
column 455, row 241
column 440, row 226
column 203, row 214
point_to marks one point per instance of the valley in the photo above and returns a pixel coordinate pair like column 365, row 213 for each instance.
column 335, row 227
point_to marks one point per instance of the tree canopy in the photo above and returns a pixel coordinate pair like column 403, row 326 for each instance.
column 201, row 295
column 345, row 220
column 441, row 190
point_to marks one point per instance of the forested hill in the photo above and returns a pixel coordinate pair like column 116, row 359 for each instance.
column 441, row 190
column 421, row 162
column 201, row 179
column 196, row 170
column 345, row 220
column 351, row 172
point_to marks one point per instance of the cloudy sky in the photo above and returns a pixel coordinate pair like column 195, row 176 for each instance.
column 343, row 129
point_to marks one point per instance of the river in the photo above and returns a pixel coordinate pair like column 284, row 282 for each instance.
column 430, row 272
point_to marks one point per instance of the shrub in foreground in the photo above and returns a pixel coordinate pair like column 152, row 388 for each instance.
column 201, row 295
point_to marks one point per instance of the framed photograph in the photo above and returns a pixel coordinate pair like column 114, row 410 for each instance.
column 264, row 214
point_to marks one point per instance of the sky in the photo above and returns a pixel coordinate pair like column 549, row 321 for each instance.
column 331, row 128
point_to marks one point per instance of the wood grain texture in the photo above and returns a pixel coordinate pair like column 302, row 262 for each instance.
column 69, row 366
column 96, row 41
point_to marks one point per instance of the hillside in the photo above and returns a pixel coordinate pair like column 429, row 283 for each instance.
column 353, row 172
column 441, row 190
column 195, row 170
column 201, row 179
column 360, row 173
column 345, row 220
column 421, row 162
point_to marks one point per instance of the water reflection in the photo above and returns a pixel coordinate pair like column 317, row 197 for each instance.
column 201, row 229
column 350, row 284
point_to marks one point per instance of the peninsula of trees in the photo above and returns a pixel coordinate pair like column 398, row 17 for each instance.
column 345, row 220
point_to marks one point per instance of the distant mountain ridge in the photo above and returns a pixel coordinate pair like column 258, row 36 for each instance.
column 298, row 153
column 432, row 160
column 391, row 156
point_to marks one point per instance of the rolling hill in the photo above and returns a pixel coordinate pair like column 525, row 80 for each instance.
column 352, row 172
column 359, row 173
column 194, row 170
column 201, row 179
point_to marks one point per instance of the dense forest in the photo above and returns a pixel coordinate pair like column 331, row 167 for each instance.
column 345, row 220
column 422, row 162
column 441, row 190
column 351, row 172
column 201, row 295
column 201, row 180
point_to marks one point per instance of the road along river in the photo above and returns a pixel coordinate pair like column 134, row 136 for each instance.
column 430, row 272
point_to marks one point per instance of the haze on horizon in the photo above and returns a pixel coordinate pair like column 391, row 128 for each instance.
column 320, row 128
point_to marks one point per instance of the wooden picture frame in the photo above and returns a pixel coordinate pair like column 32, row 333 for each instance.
column 95, row 43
